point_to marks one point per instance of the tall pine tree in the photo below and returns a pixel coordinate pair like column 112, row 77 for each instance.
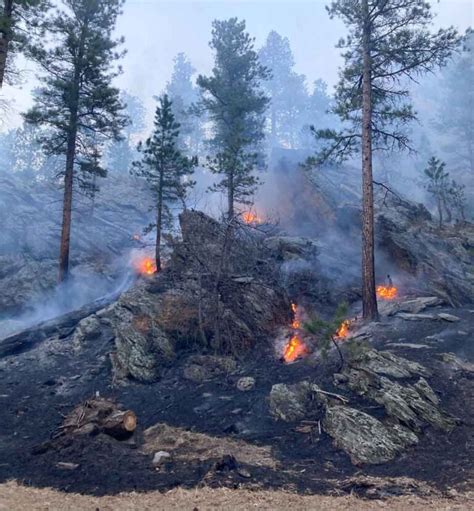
column 184, row 95
column 77, row 102
column 120, row 154
column 165, row 167
column 389, row 41
column 286, row 89
column 236, row 104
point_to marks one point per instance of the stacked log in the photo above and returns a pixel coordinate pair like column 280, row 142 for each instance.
column 99, row 415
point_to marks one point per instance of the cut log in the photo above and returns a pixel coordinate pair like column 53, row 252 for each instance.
column 99, row 415
column 120, row 425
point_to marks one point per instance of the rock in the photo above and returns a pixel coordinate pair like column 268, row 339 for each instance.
column 408, row 345
column 287, row 248
column 365, row 438
column 246, row 383
column 243, row 472
column 67, row 465
column 387, row 364
column 250, row 303
column 423, row 388
column 291, row 403
column 196, row 373
column 413, row 306
column 448, row 317
column 200, row 368
column 141, row 355
column 415, row 317
column 160, row 457
column 414, row 406
column 88, row 329
column 456, row 363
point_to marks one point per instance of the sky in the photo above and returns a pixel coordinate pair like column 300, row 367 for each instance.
column 156, row 30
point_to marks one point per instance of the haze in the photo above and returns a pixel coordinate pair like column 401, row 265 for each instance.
column 155, row 31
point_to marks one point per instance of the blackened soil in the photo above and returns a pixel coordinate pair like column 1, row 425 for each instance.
column 38, row 387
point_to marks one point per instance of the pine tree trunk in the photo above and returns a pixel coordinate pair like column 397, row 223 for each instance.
column 67, row 205
column 70, row 158
column 369, row 298
column 230, row 196
column 159, row 223
column 273, row 128
column 5, row 36
column 447, row 209
column 440, row 212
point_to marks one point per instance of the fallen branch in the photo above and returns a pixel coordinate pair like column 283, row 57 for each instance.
column 335, row 396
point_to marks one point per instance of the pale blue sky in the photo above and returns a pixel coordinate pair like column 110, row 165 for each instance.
column 156, row 30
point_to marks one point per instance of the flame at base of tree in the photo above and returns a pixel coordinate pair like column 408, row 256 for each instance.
column 145, row 266
column 387, row 292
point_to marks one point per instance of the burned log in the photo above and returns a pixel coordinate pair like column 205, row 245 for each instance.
column 99, row 415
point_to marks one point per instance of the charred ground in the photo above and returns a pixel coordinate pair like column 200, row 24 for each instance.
column 39, row 387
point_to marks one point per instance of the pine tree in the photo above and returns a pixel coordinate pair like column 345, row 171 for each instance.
column 455, row 122
column 389, row 41
column 121, row 153
column 165, row 167
column 235, row 103
column 77, row 103
column 286, row 89
column 437, row 184
column 184, row 96
column 19, row 19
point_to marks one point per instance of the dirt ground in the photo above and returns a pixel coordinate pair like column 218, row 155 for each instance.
column 14, row 497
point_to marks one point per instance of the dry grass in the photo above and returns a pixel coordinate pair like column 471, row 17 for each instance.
column 187, row 445
column 14, row 497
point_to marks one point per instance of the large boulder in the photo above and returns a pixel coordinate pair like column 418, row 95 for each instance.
column 217, row 292
column 366, row 439
column 291, row 403
column 142, row 348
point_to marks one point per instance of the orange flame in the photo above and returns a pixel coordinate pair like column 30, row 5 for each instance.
column 251, row 217
column 296, row 323
column 343, row 330
column 295, row 348
column 387, row 292
column 145, row 266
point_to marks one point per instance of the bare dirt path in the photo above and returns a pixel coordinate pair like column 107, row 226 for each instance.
column 14, row 497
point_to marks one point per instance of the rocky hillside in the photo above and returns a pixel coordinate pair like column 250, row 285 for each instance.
column 102, row 232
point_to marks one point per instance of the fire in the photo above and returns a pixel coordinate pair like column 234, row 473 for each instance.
column 343, row 329
column 295, row 348
column 296, row 323
column 251, row 217
column 145, row 266
column 387, row 292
